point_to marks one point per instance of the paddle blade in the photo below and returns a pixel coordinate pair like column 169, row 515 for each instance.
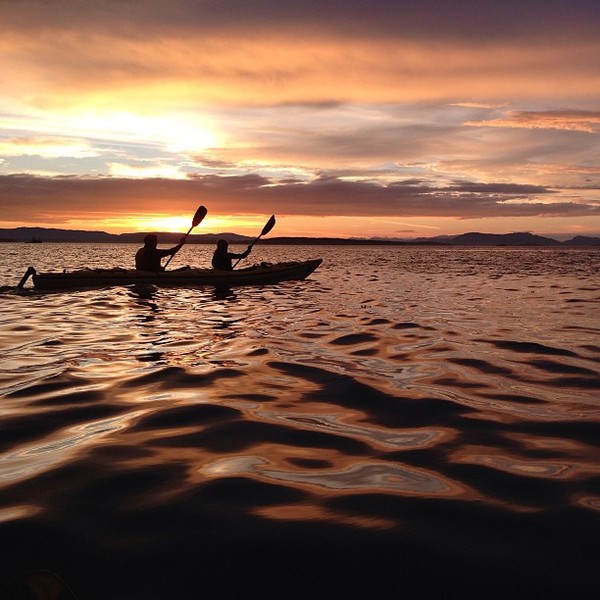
column 270, row 224
column 200, row 214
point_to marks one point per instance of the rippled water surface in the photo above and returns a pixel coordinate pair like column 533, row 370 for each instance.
column 407, row 417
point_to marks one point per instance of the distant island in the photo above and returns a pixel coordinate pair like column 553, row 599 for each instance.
column 41, row 234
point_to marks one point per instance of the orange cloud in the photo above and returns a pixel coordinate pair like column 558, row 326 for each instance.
column 46, row 147
column 313, row 108
column 586, row 121
column 57, row 68
column 41, row 197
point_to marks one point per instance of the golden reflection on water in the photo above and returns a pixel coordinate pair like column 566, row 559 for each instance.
column 445, row 392
column 342, row 422
column 17, row 512
column 315, row 512
column 57, row 449
column 370, row 476
column 356, row 476
column 590, row 502
column 530, row 468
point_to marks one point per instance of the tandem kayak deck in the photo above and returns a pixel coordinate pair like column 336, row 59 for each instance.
column 261, row 274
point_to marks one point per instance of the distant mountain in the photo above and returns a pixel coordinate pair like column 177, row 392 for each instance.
column 42, row 234
column 328, row 241
column 502, row 239
column 438, row 239
column 583, row 240
column 27, row 234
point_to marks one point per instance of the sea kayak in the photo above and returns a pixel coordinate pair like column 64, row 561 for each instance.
column 261, row 274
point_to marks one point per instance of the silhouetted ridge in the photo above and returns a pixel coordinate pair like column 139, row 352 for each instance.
column 505, row 239
column 583, row 240
column 27, row 234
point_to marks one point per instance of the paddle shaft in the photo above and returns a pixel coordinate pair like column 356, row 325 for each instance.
column 200, row 214
column 250, row 246
column 268, row 226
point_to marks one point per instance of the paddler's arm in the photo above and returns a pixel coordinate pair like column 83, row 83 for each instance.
column 173, row 250
column 244, row 254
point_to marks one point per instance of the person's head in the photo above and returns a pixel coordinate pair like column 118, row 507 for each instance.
column 150, row 241
column 222, row 245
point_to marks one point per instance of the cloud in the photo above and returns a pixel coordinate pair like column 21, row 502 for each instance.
column 586, row 121
column 46, row 147
column 145, row 171
column 202, row 160
column 351, row 141
column 150, row 54
column 509, row 19
column 395, row 108
column 40, row 198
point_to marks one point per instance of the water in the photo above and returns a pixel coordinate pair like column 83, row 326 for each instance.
column 406, row 419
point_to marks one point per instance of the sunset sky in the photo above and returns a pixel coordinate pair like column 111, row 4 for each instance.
column 341, row 117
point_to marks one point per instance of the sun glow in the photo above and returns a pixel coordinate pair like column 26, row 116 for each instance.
column 177, row 133
column 181, row 223
column 164, row 223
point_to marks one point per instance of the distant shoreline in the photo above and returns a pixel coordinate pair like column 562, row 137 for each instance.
column 518, row 239
column 263, row 242
column 559, row 246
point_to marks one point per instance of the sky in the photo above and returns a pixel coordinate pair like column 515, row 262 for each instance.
column 346, row 118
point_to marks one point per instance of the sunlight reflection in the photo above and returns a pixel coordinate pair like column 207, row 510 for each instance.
column 41, row 457
column 233, row 465
column 373, row 476
column 359, row 476
column 591, row 502
column 380, row 436
column 311, row 512
column 15, row 512
column 540, row 468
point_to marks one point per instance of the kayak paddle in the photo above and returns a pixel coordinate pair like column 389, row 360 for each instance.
column 200, row 214
column 270, row 224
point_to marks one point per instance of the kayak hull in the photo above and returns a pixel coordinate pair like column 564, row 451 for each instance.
column 257, row 275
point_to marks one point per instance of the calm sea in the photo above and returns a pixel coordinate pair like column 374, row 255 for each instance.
column 407, row 420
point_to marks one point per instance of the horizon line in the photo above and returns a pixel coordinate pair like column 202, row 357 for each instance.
column 555, row 237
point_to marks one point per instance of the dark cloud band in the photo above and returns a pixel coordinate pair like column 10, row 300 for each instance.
column 31, row 198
